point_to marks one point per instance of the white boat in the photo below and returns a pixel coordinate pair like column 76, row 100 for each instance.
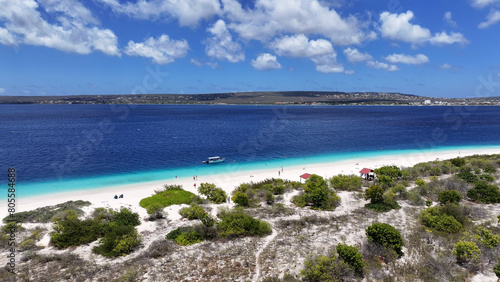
column 213, row 160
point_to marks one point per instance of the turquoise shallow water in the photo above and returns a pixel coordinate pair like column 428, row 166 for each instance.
column 99, row 182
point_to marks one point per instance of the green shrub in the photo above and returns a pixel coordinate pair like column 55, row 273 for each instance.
column 193, row 212
column 489, row 169
column 71, row 231
column 496, row 268
column 351, row 256
column 346, row 182
column 486, row 177
column 269, row 197
column 485, row 193
column 325, row 268
column 487, row 238
column 214, row 194
column 238, row 224
column 45, row 214
column 466, row 251
column 375, row 194
column 434, row 218
column 449, row 197
column 299, row 200
column 120, row 240
column 468, row 176
column 241, row 199
column 155, row 211
column 318, row 195
column 392, row 171
column 171, row 196
column 126, row 217
column 27, row 244
column 385, row 235
column 458, row 162
column 378, row 202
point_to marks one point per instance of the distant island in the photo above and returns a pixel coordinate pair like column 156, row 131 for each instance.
column 256, row 98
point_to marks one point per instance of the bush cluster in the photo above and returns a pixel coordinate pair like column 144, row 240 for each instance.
column 317, row 195
column 485, row 193
column 45, row 214
column 351, row 256
column 449, row 197
column 448, row 218
column 346, row 182
column 194, row 211
column 116, row 230
column 466, row 251
column 172, row 195
column 213, row 193
column 379, row 200
column 387, row 236
column 258, row 192
column 343, row 265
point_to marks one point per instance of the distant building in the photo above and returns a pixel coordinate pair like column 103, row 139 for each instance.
column 427, row 102
column 367, row 173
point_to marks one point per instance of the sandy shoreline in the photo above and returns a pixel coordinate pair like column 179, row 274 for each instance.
column 133, row 193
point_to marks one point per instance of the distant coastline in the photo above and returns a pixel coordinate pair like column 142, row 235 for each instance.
column 256, row 98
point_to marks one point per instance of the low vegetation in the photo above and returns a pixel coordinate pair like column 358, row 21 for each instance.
column 214, row 194
column 346, row 182
column 317, row 195
column 387, row 236
column 171, row 195
column 253, row 194
column 45, row 214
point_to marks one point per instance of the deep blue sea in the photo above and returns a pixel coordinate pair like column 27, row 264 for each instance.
column 58, row 148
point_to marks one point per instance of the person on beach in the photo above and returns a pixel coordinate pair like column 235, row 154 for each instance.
column 278, row 173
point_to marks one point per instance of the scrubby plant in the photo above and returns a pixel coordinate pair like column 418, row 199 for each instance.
column 496, row 268
column 466, row 252
column 317, row 194
column 392, row 171
column 69, row 230
column 385, row 235
column 346, row 182
column 269, row 198
column 155, row 211
column 449, row 197
column 45, row 214
column 171, row 196
column 468, row 176
column 119, row 240
column 238, row 224
column 434, row 217
column 194, row 211
column 213, row 193
column 351, row 256
column 185, row 236
column 325, row 268
column 485, row 193
column 486, row 237
column 489, row 169
column 380, row 201
column 241, row 199
column 458, row 162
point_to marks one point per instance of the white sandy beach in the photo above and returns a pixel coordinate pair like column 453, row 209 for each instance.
column 133, row 193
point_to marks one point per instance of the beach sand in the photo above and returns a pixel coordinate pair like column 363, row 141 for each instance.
column 133, row 193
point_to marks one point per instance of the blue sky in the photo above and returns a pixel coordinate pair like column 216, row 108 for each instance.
column 439, row 48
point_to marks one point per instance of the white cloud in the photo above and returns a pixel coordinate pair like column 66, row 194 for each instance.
column 196, row 62
column 445, row 66
column 188, row 12
column 162, row 50
column 265, row 61
column 443, row 38
column 271, row 17
column 328, row 64
column 70, row 32
column 300, row 46
column 398, row 27
column 483, row 3
column 221, row 46
column 492, row 18
column 447, row 18
column 354, row 56
column 2, row 90
column 407, row 59
column 382, row 66
column 72, row 8
column 6, row 38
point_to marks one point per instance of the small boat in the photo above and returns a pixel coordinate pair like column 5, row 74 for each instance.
column 213, row 160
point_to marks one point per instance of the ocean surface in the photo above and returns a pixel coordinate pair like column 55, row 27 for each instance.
column 56, row 148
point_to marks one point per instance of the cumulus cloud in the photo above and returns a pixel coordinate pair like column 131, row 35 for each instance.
column 354, row 56
column 162, row 50
column 328, row 64
column 196, row 62
column 271, row 17
column 188, row 12
column 447, row 18
column 72, row 31
column 382, row 66
column 398, row 27
column 265, row 61
column 407, row 59
column 2, row 90
column 492, row 18
column 300, row 46
column 221, row 45
column 483, row 3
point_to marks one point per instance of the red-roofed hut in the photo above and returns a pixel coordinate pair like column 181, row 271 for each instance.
column 305, row 176
column 367, row 173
